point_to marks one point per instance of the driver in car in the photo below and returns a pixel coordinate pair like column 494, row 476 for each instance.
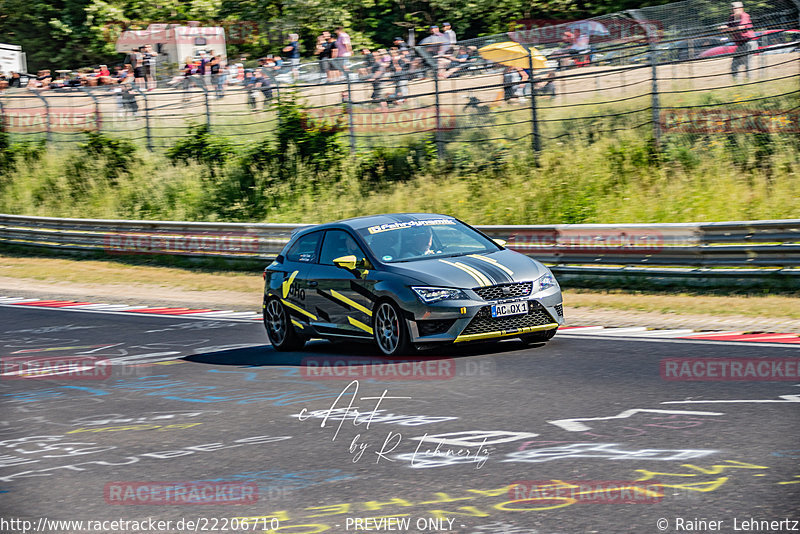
column 419, row 241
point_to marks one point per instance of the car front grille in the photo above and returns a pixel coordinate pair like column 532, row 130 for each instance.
column 505, row 291
column 484, row 322
column 560, row 310
column 429, row 328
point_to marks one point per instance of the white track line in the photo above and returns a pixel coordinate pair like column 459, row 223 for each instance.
column 617, row 331
column 682, row 341
column 134, row 314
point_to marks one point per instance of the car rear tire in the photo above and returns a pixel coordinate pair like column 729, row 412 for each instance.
column 539, row 337
column 390, row 330
column 280, row 330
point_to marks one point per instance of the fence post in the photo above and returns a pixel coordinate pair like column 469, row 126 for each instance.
column 208, row 106
column 146, row 120
column 439, row 145
column 46, row 115
column 655, row 100
column 535, row 141
column 651, row 44
column 96, row 108
column 201, row 84
column 349, row 107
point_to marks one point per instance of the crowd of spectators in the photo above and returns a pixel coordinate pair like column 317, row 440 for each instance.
column 388, row 70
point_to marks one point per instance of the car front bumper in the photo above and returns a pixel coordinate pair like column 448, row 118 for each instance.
column 460, row 321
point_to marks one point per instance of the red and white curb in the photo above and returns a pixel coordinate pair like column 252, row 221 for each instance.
column 230, row 315
column 130, row 309
column 683, row 333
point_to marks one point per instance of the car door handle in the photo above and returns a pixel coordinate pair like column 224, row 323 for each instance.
column 313, row 283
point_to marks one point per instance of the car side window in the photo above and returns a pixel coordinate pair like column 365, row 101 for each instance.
column 339, row 243
column 305, row 249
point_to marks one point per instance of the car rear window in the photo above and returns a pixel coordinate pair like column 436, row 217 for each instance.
column 305, row 248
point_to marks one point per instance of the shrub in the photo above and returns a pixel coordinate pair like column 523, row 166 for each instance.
column 203, row 147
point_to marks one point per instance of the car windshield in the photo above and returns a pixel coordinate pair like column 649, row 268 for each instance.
column 423, row 239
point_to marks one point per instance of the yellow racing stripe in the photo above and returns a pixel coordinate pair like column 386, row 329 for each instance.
column 359, row 324
column 493, row 262
column 351, row 302
column 299, row 309
column 288, row 283
column 505, row 333
column 485, row 280
column 482, row 280
column 297, row 324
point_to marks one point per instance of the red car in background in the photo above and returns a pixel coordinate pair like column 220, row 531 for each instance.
column 769, row 41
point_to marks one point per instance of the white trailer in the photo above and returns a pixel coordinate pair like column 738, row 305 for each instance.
column 174, row 43
column 12, row 59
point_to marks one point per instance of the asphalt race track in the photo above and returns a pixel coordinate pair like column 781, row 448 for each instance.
column 580, row 435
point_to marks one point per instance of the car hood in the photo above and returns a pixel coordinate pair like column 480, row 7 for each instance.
column 470, row 271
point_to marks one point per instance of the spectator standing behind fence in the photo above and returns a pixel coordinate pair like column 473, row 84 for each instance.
column 513, row 78
column 150, row 59
column 217, row 75
column 740, row 28
column 451, row 37
column 344, row 49
column 436, row 43
column 333, row 63
column 137, row 60
column 323, row 53
column 292, row 51
column 400, row 44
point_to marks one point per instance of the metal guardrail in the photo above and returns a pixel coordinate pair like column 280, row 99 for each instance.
column 743, row 248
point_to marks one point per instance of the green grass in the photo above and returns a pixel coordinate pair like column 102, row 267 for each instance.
column 592, row 170
column 608, row 181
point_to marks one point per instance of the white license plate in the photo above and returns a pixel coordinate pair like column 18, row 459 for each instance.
column 510, row 308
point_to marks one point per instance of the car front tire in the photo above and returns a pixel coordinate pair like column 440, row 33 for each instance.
column 390, row 330
column 280, row 330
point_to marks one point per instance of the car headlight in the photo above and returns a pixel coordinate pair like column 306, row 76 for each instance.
column 546, row 282
column 429, row 295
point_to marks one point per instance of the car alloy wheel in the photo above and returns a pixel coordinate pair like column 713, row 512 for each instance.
column 280, row 330
column 276, row 321
column 390, row 330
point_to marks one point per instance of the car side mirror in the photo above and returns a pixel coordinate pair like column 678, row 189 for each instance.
column 346, row 262
column 501, row 242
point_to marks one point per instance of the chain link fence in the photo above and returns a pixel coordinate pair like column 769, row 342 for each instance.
column 664, row 72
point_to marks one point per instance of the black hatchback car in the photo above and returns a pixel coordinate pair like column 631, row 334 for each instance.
column 403, row 281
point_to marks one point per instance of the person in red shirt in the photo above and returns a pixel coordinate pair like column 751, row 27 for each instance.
column 740, row 30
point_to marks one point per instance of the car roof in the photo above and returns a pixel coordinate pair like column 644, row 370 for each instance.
column 358, row 223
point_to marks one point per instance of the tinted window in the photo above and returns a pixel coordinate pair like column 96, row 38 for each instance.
column 305, row 249
column 431, row 238
column 339, row 243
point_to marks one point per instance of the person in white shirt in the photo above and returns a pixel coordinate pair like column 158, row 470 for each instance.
column 451, row 35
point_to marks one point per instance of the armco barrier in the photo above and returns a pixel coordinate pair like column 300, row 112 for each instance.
column 746, row 248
